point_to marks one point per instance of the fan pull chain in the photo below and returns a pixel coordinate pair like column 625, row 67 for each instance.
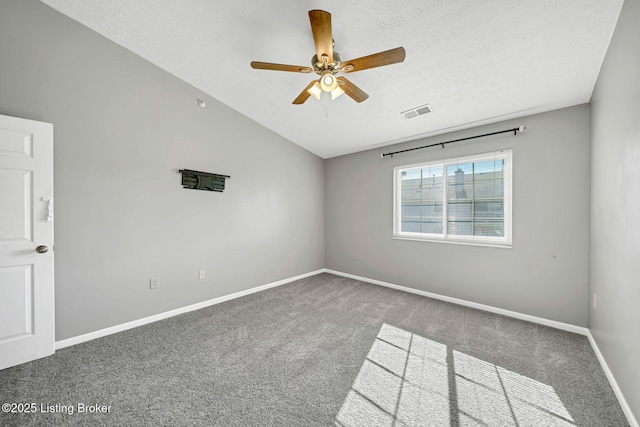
column 326, row 102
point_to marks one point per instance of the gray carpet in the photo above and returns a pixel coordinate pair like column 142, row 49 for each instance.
column 325, row 350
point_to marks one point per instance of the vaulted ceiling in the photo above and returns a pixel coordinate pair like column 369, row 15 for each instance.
column 475, row 62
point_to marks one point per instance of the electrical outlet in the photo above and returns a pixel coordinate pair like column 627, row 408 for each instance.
column 595, row 301
column 202, row 274
column 356, row 256
column 154, row 283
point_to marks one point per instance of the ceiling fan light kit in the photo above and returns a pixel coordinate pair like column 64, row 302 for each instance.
column 327, row 63
column 315, row 90
column 336, row 92
column 328, row 82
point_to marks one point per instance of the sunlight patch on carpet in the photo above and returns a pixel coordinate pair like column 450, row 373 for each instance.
column 408, row 380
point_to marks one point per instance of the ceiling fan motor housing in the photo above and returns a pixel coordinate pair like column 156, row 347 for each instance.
column 319, row 66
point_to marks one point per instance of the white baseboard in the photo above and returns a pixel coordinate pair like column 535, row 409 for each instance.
column 540, row 320
column 612, row 381
column 160, row 316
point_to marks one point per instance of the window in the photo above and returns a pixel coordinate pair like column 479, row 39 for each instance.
column 461, row 200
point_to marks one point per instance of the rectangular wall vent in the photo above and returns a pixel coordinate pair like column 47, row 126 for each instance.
column 418, row 111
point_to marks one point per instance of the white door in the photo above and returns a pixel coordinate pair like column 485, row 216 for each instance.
column 26, row 241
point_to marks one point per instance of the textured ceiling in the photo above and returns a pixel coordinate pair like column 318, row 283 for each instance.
column 475, row 62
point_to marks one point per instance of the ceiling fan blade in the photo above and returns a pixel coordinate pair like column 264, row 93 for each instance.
column 379, row 59
column 322, row 36
column 304, row 95
column 352, row 90
column 280, row 67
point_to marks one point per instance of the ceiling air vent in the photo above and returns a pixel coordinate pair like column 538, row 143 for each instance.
column 418, row 111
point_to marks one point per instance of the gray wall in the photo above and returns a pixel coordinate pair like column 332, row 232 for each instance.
column 122, row 129
column 614, row 259
column 544, row 274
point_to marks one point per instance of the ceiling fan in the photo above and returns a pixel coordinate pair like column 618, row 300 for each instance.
column 327, row 63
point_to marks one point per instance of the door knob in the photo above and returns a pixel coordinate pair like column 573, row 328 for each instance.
column 42, row 249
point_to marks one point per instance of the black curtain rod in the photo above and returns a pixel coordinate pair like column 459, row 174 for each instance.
column 514, row 130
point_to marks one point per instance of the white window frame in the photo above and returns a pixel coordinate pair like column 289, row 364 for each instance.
column 504, row 241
